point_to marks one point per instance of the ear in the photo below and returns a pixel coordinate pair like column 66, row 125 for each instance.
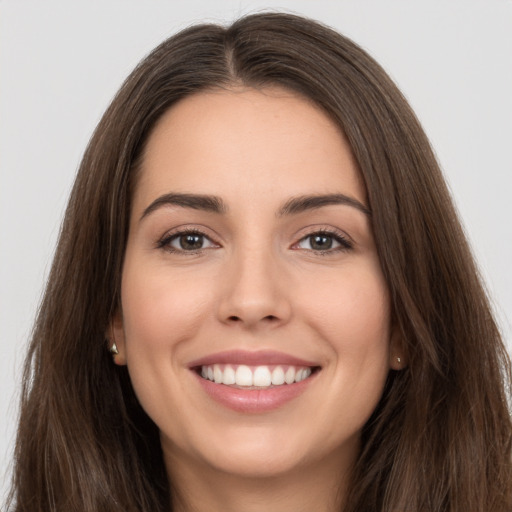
column 116, row 339
column 397, row 360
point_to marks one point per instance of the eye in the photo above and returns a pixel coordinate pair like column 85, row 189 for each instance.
column 324, row 241
column 186, row 241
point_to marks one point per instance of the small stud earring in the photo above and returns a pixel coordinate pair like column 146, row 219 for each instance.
column 398, row 360
column 113, row 349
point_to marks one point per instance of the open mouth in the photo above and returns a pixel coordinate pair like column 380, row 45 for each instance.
column 255, row 377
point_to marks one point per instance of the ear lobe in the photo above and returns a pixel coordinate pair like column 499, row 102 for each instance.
column 115, row 339
column 396, row 362
column 396, row 351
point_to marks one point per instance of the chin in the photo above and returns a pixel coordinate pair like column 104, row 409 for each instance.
column 262, row 450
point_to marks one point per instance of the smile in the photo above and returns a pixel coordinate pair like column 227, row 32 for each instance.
column 254, row 382
column 254, row 377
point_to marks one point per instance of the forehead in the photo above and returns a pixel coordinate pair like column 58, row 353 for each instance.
column 242, row 142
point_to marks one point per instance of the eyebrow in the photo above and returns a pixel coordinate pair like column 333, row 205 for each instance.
column 303, row 203
column 195, row 201
column 215, row 204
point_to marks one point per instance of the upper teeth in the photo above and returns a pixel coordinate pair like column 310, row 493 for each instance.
column 260, row 376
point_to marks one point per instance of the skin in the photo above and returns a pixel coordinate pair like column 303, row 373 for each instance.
column 257, row 283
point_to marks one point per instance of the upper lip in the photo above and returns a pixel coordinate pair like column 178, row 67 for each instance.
column 249, row 358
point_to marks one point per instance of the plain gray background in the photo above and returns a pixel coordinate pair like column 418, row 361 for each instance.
column 61, row 62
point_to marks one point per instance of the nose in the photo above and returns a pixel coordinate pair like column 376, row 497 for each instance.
column 254, row 292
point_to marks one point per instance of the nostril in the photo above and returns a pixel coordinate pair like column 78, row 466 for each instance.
column 271, row 318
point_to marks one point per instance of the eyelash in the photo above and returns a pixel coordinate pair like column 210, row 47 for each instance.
column 165, row 242
column 344, row 243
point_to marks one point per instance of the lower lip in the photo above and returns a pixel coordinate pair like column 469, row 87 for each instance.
column 254, row 400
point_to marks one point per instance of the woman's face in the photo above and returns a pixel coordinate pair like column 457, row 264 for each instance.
column 251, row 264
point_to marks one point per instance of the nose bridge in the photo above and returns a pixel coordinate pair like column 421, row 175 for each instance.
column 254, row 291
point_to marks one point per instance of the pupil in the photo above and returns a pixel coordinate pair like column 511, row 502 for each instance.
column 321, row 242
column 191, row 242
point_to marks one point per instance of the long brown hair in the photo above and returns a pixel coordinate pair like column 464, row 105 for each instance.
column 440, row 439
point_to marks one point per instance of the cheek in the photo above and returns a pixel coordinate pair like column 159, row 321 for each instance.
column 160, row 310
column 161, row 314
column 351, row 309
column 351, row 313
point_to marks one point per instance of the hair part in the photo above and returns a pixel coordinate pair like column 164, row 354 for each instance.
column 440, row 438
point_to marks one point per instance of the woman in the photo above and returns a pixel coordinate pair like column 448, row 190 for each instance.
column 260, row 232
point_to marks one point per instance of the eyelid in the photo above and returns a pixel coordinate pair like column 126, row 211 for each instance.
column 164, row 241
column 345, row 241
column 342, row 238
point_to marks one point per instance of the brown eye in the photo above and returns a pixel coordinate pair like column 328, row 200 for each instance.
column 324, row 242
column 189, row 242
column 320, row 242
column 186, row 241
